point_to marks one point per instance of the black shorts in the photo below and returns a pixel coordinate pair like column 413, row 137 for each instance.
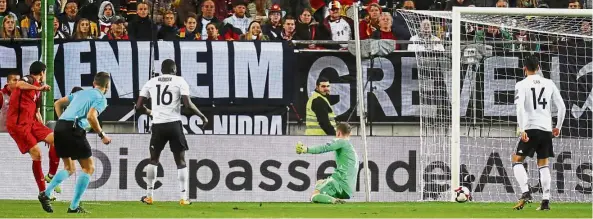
column 171, row 132
column 540, row 142
column 70, row 141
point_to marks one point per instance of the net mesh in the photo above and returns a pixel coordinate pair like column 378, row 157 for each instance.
column 492, row 51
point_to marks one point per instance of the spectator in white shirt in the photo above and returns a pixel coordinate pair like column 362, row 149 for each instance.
column 238, row 19
column 425, row 41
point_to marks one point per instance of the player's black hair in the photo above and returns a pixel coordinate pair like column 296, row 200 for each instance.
column 75, row 89
column 102, row 79
column 531, row 63
column 13, row 73
column 344, row 128
column 36, row 68
column 169, row 67
column 321, row 79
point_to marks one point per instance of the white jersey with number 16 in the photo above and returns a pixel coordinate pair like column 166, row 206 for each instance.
column 533, row 96
column 165, row 92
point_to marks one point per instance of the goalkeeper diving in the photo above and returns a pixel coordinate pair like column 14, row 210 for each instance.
column 341, row 183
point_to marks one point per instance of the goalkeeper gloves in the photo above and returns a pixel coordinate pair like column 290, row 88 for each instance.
column 300, row 148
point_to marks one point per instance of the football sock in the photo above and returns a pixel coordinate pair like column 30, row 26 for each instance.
column 324, row 199
column 545, row 178
column 182, row 177
column 58, row 178
column 81, row 184
column 54, row 161
column 38, row 174
column 151, row 176
column 521, row 176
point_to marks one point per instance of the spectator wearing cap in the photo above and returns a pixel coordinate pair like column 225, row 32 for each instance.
column 58, row 33
column 31, row 23
column 339, row 28
column 255, row 33
column 168, row 30
column 239, row 19
column 207, row 16
column 257, row 9
column 273, row 28
column 142, row 28
column 189, row 31
column 105, row 16
column 117, row 30
column 371, row 22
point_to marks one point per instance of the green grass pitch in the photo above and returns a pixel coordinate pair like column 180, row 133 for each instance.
column 12, row 208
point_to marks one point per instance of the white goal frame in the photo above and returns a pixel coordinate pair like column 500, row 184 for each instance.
column 456, row 68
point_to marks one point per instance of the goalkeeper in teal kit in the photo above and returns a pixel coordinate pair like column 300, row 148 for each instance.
column 341, row 183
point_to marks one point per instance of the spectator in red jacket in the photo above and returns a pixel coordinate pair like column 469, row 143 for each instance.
column 371, row 22
column 384, row 30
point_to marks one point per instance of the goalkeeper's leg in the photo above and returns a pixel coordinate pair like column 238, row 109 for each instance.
column 326, row 192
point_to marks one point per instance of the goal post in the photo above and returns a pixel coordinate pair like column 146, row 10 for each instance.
column 47, row 56
column 468, row 62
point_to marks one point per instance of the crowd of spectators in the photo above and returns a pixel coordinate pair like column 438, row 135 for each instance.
column 272, row 20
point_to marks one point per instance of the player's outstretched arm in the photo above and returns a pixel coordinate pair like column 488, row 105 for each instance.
column 520, row 106
column 60, row 104
column 93, row 118
column 26, row 86
column 320, row 149
column 141, row 108
column 190, row 106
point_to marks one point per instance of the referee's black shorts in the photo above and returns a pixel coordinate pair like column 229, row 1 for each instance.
column 540, row 142
column 171, row 132
column 71, row 141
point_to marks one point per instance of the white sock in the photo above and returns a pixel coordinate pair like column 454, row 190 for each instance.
column 545, row 178
column 521, row 176
column 151, row 172
column 182, row 178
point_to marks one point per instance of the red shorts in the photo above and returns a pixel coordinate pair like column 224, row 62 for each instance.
column 28, row 135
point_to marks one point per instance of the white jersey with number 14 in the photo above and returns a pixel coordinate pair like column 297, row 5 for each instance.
column 533, row 96
column 165, row 92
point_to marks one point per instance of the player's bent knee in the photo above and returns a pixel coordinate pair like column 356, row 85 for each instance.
column 49, row 138
column 35, row 153
column 89, row 170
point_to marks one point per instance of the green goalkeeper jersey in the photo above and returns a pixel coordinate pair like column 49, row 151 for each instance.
column 346, row 162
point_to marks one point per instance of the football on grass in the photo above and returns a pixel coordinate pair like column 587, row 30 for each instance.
column 462, row 194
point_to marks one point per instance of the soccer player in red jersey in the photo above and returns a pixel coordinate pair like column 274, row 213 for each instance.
column 24, row 122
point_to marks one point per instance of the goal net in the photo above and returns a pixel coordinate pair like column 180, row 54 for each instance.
column 467, row 74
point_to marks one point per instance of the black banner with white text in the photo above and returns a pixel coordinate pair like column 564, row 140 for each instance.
column 227, row 79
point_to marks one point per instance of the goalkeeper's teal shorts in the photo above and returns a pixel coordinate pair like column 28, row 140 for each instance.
column 332, row 188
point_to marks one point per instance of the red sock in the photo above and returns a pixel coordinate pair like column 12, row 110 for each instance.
column 54, row 161
column 38, row 174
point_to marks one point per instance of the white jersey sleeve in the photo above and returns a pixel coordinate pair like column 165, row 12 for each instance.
column 165, row 94
column 533, row 96
column 559, row 102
